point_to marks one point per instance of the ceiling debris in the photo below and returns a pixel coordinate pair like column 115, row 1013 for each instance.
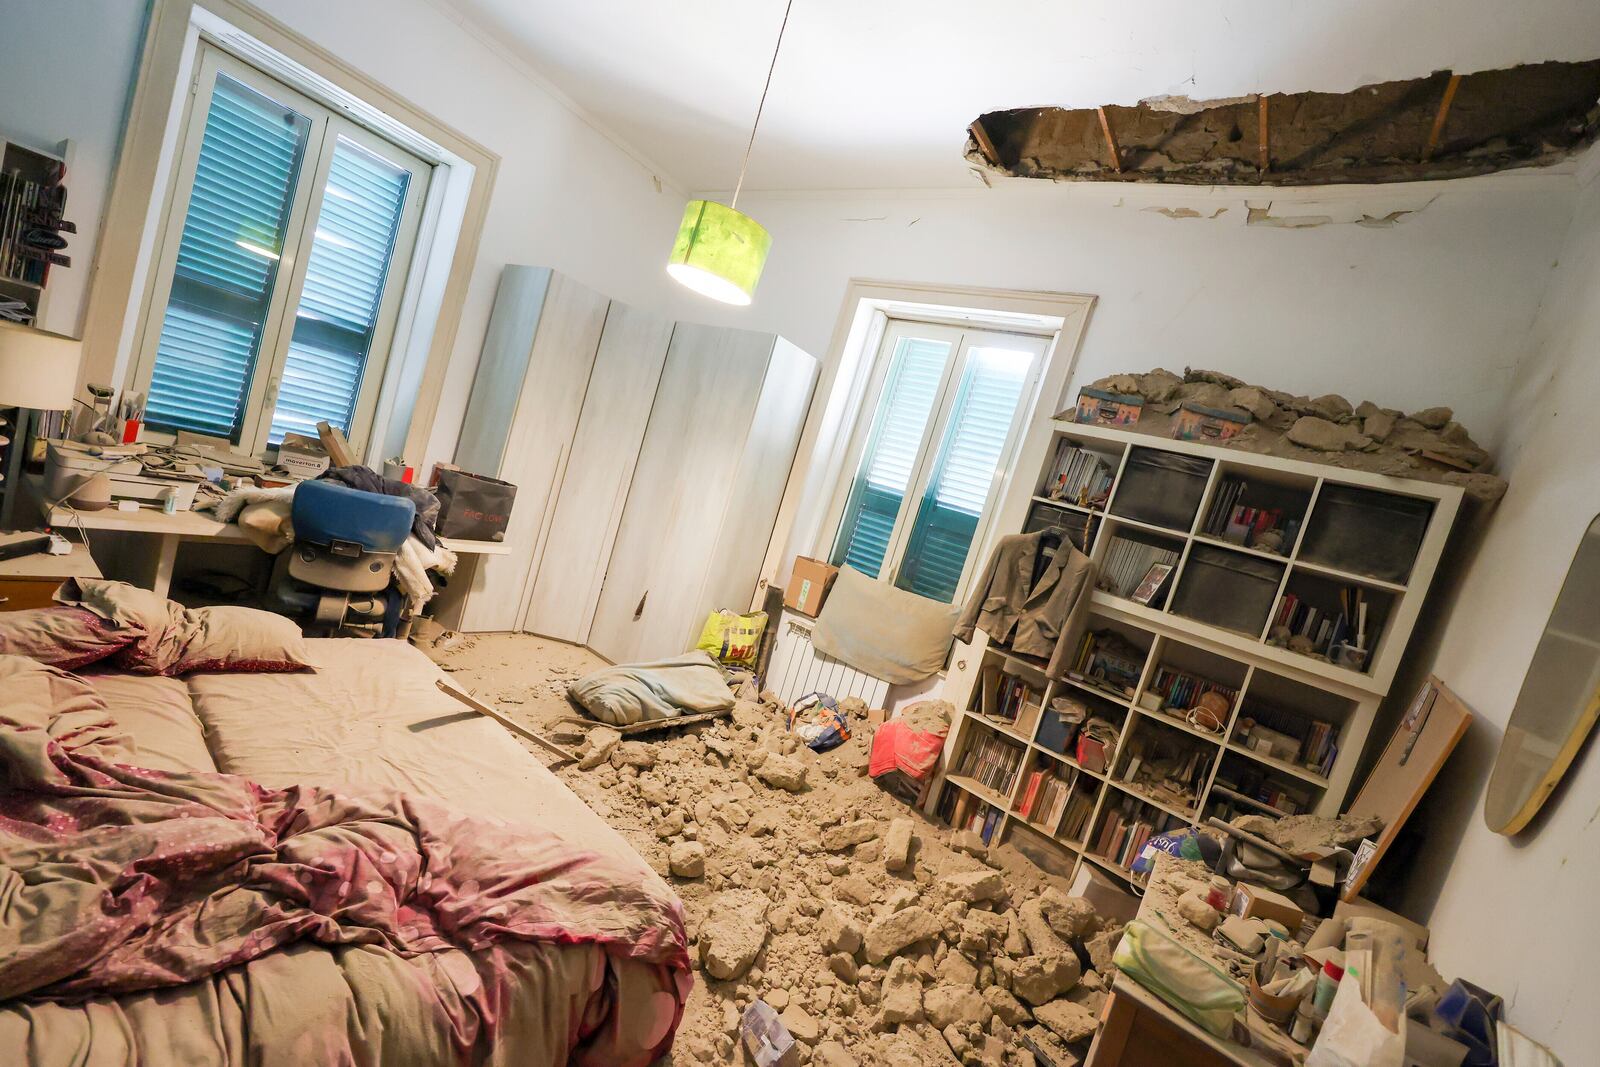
column 1443, row 126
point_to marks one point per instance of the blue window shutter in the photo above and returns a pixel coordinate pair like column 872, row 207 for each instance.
column 909, row 394
column 345, row 276
column 250, row 156
column 964, row 468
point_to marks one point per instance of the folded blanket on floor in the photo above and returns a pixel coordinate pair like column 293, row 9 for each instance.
column 690, row 683
column 115, row 878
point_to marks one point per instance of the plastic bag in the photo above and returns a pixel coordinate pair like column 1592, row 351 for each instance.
column 1352, row 1036
column 1184, row 844
column 1191, row 985
column 733, row 639
column 817, row 720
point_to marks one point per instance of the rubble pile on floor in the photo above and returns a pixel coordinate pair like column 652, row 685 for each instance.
column 877, row 936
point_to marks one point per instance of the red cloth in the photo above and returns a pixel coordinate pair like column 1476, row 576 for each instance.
column 897, row 747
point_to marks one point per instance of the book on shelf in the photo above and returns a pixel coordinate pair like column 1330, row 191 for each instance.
column 1075, row 816
column 1325, row 629
column 1079, row 476
column 1183, row 689
column 1127, row 561
column 1126, row 829
column 1106, row 659
column 963, row 811
column 1239, row 524
column 1045, row 796
column 992, row 762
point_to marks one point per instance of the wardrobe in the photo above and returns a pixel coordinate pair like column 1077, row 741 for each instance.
column 650, row 458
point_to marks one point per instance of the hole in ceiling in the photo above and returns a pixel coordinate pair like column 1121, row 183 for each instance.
column 1441, row 126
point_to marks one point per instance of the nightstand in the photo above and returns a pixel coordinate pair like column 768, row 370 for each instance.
column 31, row 581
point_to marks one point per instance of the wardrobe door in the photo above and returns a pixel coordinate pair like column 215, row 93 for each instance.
column 588, row 510
column 536, row 445
column 652, row 603
column 758, row 484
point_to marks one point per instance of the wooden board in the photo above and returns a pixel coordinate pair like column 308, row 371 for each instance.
column 616, row 408
column 1434, row 723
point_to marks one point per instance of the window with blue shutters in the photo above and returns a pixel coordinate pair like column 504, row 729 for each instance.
column 282, row 267
column 946, row 407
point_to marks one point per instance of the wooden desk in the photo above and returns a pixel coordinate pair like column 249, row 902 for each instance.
column 155, row 536
column 1139, row 1029
column 30, row 581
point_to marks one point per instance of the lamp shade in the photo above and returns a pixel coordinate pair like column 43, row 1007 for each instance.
column 38, row 369
column 719, row 252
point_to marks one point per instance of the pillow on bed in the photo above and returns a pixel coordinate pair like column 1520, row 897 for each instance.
column 240, row 640
column 65, row 637
column 173, row 639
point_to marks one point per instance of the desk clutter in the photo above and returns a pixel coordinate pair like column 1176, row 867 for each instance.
column 367, row 552
column 1301, row 979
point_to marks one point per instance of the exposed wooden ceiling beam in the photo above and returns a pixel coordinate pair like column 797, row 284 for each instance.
column 1438, row 119
column 1111, row 140
column 1263, row 136
column 981, row 137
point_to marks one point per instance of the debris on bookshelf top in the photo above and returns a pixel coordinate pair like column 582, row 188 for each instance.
column 1427, row 444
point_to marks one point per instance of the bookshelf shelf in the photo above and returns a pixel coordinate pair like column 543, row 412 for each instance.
column 1280, row 765
column 977, row 789
column 1068, row 761
column 1178, row 724
column 1299, row 705
column 1068, row 505
column 1187, row 815
column 1345, row 576
column 1216, row 542
column 1239, row 798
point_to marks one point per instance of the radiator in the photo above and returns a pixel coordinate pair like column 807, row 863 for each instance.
column 797, row 669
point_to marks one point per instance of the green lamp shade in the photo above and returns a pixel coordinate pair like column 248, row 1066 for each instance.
column 719, row 252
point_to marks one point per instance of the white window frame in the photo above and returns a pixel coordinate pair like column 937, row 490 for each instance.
column 327, row 127
column 963, row 336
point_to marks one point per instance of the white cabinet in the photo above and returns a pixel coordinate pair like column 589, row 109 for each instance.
column 705, row 493
column 569, row 571
column 650, row 458
column 529, row 390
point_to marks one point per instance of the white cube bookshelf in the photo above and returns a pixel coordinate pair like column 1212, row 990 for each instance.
column 1377, row 540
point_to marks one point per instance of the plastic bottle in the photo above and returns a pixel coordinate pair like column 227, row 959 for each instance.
column 1220, row 894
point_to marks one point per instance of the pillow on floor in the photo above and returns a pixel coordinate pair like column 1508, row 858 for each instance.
column 65, row 637
column 883, row 631
column 176, row 640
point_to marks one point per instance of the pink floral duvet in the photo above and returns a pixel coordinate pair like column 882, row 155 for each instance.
column 116, row 881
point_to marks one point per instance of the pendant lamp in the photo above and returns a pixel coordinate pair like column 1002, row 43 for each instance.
column 720, row 251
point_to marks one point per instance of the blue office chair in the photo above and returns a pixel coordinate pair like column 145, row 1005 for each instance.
column 345, row 543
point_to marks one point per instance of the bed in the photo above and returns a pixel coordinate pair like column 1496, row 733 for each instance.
column 369, row 720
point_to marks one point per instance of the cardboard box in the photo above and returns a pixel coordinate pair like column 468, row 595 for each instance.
column 808, row 585
column 1101, row 408
column 1254, row 902
column 301, row 456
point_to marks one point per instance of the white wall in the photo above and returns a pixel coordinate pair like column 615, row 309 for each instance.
column 1517, row 914
column 566, row 196
column 1431, row 310
column 66, row 69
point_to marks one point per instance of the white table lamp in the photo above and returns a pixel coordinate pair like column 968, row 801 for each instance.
column 38, row 372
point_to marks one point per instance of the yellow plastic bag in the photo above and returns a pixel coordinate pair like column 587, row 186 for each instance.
column 733, row 639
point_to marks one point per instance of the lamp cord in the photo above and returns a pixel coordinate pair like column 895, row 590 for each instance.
column 745, row 164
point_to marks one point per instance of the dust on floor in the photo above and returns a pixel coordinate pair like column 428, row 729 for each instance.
column 877, row 938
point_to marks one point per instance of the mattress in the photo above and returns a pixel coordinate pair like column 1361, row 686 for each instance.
column 370, row 717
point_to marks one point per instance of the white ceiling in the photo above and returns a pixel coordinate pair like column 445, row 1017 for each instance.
column 878, row 93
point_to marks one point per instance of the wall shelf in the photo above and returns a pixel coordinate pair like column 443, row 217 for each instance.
column 1286, row 698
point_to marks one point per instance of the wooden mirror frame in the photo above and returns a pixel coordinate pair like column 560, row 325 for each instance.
column 1552, row 656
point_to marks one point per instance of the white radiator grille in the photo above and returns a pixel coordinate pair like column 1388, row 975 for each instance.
column 797, row 669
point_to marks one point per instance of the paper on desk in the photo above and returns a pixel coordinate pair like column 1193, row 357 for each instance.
column 1353, row 1036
